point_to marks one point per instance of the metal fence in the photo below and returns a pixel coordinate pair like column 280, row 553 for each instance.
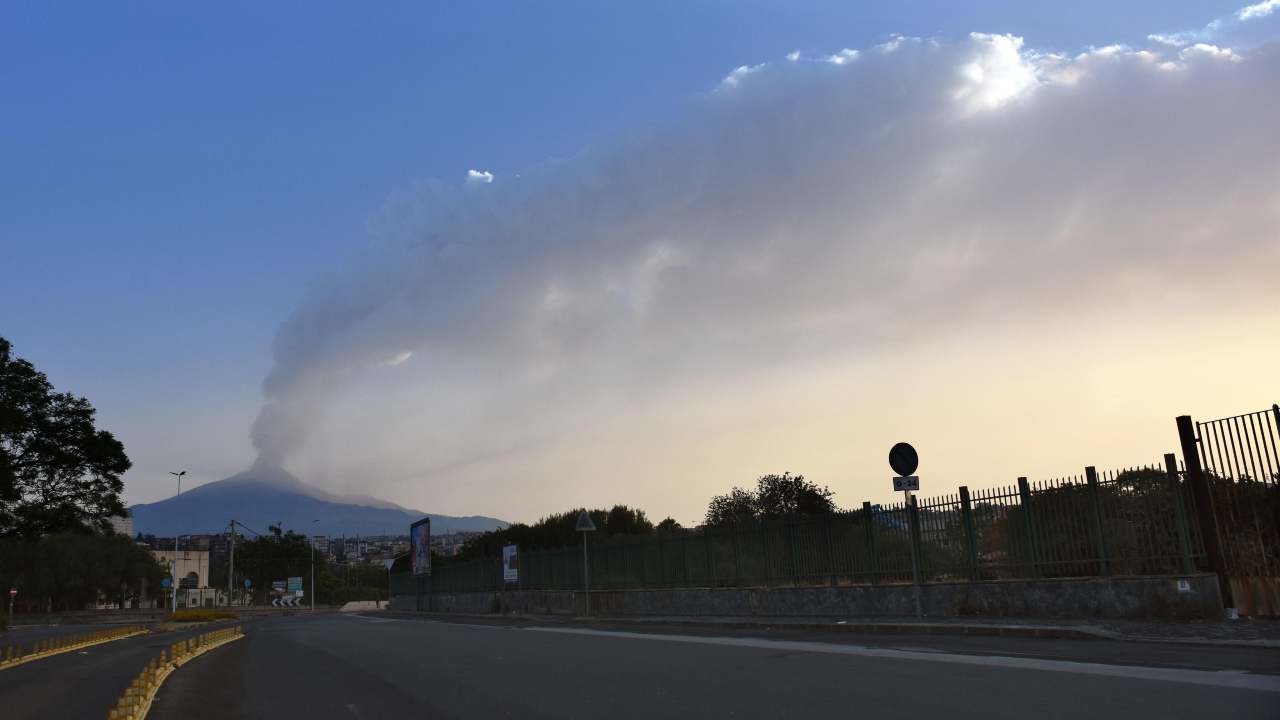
column 1137, row 521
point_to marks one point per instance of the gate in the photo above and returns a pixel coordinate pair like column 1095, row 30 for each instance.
column 1239, row 458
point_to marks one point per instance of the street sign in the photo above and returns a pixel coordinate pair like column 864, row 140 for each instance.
column 584, row 522
column 288, row 601
column 247, row 583
column 903, row 484
column 903, row 459
column 297, row 593
column 13, row 592
column 277, row 586
column 165, row 583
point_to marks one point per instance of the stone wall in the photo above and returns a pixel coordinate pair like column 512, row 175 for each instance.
column 1169, row 597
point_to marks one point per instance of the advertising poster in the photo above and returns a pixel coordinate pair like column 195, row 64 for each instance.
column 510, row 564
column 420, row 546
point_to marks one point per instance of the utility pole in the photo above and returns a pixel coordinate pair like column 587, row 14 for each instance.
column 231, row 564
column 313, row 566
column 175, row 542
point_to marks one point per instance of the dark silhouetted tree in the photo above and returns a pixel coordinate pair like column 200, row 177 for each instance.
column 782, row 495
column 58, row 472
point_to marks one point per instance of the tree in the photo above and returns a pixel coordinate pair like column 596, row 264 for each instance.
column 775, row 496
column 557, row 530
column 68, row 571
column 58, row 472
column 668, row 525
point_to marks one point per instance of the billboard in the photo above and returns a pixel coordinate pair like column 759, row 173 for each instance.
column 420, row 546
column 510, row 564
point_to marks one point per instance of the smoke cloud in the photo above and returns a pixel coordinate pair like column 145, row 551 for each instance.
column 807, row 220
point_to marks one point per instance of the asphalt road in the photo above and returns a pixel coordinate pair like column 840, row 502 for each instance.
column 83, row 683
column 334, row 666
column 26, row 634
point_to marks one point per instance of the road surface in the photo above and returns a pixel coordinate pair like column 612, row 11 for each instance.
column 378, row 666
column 82, row 683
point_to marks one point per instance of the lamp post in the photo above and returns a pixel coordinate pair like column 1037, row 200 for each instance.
column 313, row 567
column 178, row 475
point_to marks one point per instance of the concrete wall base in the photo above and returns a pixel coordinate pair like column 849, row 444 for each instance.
column 1163, row 597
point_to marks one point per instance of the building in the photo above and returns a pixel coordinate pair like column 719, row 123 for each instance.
column 122, row 525
column 321, row 544
column 189, row 567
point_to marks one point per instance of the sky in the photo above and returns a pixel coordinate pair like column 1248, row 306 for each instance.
column 511, row 259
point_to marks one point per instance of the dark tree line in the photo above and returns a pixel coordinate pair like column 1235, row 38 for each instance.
column 559, row 529
column 59, row 488
column 69, row 571
column 784, row 495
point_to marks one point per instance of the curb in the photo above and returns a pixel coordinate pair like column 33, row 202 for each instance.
column 136, row 701
column 58, row 645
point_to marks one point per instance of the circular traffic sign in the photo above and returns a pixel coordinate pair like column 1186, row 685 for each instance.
column 165, row 583
column 903, row 459
column 247, row 583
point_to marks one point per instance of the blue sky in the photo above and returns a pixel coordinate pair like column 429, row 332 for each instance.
column 173, row 178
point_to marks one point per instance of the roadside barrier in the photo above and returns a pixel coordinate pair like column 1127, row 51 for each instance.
column 14, row 655
column 135, row 703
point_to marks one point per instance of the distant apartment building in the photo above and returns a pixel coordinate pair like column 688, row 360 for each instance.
column 320, row 543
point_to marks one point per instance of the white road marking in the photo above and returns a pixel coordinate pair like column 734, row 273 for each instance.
column 366, row 618
column 1223, row 678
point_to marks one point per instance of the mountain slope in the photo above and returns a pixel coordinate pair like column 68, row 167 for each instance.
column 262, row 497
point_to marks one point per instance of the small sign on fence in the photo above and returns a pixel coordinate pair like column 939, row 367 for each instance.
column 904, row 484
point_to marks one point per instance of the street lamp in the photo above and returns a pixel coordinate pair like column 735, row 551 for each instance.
column 313, row 567
column 178, row 475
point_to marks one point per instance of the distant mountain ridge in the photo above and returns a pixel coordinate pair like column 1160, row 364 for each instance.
column 269, row 496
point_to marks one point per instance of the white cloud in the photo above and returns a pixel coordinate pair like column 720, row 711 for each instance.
column 997, row 73
column 771, row 258
column 844, row 56
column 793, row 56
column 399, row 358
column 1258, row 10
column 738, row 74
column 1207, row 50
column 482, row 177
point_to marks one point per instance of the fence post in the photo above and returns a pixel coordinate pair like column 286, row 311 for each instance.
column 970, row 538
column 1028, row 518
column 873, row 556
column 662, row 560
column 1204, row 506
column 737, row 567
column 684, row 555
column 764, row 550
column 711, row 565
column 831, row 549
column 1095, row 504
column 795, row 552
column 1179, row 513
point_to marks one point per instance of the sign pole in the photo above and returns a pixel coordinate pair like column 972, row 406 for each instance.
column 904, row 461
column 915, row 551
column 584, row 526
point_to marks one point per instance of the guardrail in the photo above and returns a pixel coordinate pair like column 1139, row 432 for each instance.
column 14, row 655
column 135, row 703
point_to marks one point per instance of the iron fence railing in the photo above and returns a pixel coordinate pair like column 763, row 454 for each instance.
column 1137, row 521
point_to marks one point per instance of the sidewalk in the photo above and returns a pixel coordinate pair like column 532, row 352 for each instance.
column 1238, row 633
column 1233, row 633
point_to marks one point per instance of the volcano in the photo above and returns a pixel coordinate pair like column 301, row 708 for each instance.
column 260, row 497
